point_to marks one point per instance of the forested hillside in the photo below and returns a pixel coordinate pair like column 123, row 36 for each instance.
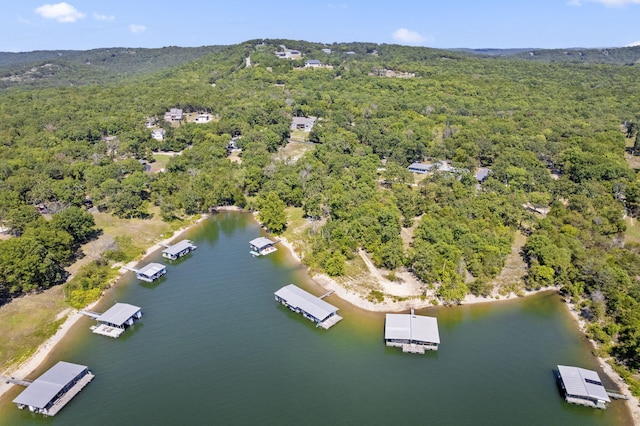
column 553, row 135
column 47, row 68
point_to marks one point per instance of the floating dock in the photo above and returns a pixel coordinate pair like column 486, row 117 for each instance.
column 114, row 321
column 262, row 246
column 49, row 393
column 582, row 387
column 176, row 251
column 311, row 307
column 413, row 333
column 150, row 272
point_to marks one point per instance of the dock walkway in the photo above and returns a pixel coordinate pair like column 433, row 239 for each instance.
column 68, row 396
column 15, row 381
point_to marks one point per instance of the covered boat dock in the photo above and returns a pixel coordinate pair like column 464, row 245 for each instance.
column 262, row 246
column 582, row 387
column 181, row 248
column 55, row 388
column 151, row 272
column 413, row 333
column 311, row 307
column 113, row 322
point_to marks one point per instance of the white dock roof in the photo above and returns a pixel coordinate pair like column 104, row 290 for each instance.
column 151, row 269
column 119, row 313
column 295, row 296
column 261, row 242
column 411, row 327
column 43, row 389
column 580, row 382
column 178, row 247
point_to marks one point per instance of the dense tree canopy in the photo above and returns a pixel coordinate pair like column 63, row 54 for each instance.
column 554, row 136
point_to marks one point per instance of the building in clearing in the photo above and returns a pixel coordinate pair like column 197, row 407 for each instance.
column 412, row 333
column 303, row 123
column 262, row 246
column 151, row 272
column 113, row 322
column 202, row 118
column 312, row 63
column 311, row 307
column 55, row 388
column 181, row 248
column 420, row 168
column 173, row 115
column 582, row 387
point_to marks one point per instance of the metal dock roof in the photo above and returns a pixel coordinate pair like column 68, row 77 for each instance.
column 118, row 314
column 261, row 242
column 411, row 327
column 583, row 383
column 43, row 389
column 175, row 249
column 151, row 269
column 297, row 297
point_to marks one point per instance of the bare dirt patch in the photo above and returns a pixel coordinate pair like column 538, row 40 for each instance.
column 293, row 151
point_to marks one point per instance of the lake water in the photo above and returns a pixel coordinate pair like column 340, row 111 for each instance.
column 213, row 347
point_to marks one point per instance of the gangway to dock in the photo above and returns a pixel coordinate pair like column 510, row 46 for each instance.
column 615, row 394
column 329, row 293
column 15, row 381
column 90, row 314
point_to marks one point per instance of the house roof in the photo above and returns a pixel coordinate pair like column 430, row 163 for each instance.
column 295, row 296
column 583, row 383
column 420, row 166
column 178, row 247
column 261, row 242
column 313, row 62
column 411, row 327
column 304, row 120
column 151, row 269
column 43, row 389
column 119, row 313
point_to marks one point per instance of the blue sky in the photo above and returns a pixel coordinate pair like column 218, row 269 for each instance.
column 27, row 25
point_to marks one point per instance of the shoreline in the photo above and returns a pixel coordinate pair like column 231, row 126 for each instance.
column 43, row 351
column 357, row 300
column 40, row 355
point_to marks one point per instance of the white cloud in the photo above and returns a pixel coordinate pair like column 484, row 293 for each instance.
column 337, row 6
column 407, row 36
column 61, row 12
column 635, row 43
column 137, row 28
column 101, row 17
column 574, row 3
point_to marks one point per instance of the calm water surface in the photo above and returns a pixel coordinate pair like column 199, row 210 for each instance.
column 214, row 347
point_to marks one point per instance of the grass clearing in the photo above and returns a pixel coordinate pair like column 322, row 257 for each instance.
column 27, row 322
column 632, row 234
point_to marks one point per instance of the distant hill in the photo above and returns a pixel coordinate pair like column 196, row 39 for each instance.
column 73, row 67
column 616, row 55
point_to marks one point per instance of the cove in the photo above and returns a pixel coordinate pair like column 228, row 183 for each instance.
column 213, row 347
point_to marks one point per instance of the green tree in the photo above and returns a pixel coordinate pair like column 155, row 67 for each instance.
column 272, row 212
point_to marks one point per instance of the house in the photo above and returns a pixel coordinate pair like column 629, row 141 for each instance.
column 582, row 387
column 173, row 115
column 312, row 63
column 203, row 118
column 158, row 134
column 327, row 51
column 54, row 389
column 420, row 168
column 295, row 54
column 413, row 333
column 303, row 123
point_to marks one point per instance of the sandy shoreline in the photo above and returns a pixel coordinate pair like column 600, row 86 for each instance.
column 358, row 300
column 406, row 292
column 27, row 367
